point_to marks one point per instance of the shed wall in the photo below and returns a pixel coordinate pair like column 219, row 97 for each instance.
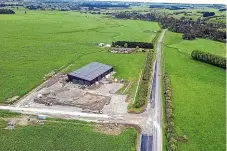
column 81, row 81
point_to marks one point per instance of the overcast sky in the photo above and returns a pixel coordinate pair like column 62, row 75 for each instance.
column 183, row 1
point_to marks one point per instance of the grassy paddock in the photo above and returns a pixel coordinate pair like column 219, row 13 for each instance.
column 198, row 91
column 218, row 17
column 34, row 44
column 64, row 135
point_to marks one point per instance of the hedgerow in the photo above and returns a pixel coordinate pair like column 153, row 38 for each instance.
column 6, row 11
column 170, row 129
column 209, row 58
column 131, row 44
column 143, row 91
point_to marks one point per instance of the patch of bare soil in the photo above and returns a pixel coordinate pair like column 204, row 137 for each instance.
column 110, row 129
column 21, row 121
column 13, row 99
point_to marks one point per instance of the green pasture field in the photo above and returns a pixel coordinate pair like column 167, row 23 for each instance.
column 38, row 42
column 221, row 16
column 64, row 135
column 198, row 90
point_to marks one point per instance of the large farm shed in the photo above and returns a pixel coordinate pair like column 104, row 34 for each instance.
column 90, row 73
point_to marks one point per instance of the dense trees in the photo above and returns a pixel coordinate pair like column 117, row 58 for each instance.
column 6, row 11
column 212, row 59
column 207, row 14
column 64, row 6
column 144, row 86
column 169, row 6
column 188, row 36
column 103, row 5
column 189, row 28
column 73, row 5
column 9, row 4
column 33, row 7
column 193, row 28
column 130, row 44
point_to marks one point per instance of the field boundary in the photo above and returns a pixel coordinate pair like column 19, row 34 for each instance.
column 131, row 108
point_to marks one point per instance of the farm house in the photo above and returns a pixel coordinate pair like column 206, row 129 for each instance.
column 90, row 73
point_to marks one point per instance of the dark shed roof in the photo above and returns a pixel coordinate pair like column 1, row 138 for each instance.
column 91, row 71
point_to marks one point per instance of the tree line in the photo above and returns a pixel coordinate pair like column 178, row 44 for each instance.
column 144, row 86
column 130, row 44
column 222, row 10
column 209, row 58
column 6, row 11
column 6, row 4
column 103, row 5
column 171, row 135
column 189, row 28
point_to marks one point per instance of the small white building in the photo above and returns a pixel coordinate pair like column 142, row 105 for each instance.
column 107, row 45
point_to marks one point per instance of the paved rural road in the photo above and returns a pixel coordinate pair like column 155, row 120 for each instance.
column 157, row 122
column 153, row 141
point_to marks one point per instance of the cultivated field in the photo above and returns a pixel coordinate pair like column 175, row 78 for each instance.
column 198, row 93
column 67, row 135
column 39, row 42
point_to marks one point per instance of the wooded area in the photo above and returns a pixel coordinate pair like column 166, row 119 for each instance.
column 189, row 28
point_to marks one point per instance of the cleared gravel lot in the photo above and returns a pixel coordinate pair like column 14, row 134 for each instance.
column 62, row 95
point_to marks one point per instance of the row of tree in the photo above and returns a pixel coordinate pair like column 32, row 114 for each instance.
column 129, row 44
column 171, row 135
column 6, row 11
column 144, row 86
column 189, row 27
column 67, row 6
column 209, row 58
column 222, row 10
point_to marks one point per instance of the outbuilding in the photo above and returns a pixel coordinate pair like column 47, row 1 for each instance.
column 90, row 73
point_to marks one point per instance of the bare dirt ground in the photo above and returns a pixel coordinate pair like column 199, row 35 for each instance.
column 110, row 129
column 62, row 95
column 20, row 121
